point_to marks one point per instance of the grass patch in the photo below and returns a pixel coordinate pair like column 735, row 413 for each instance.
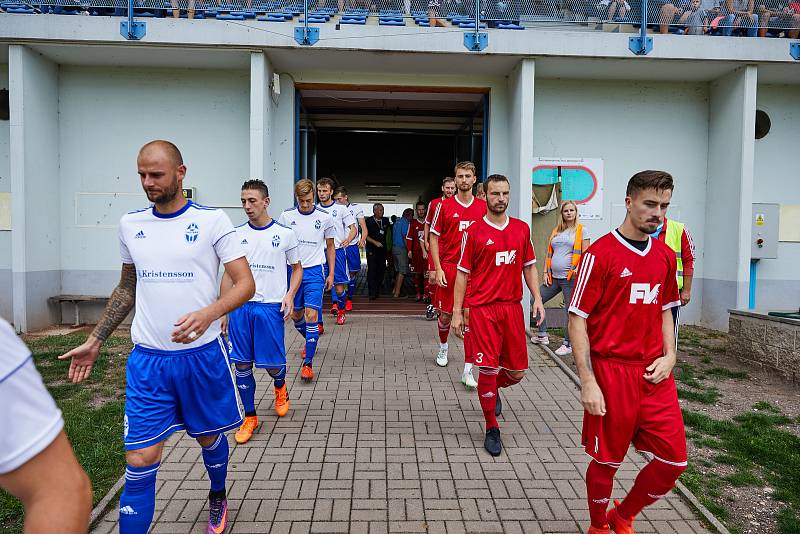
column 708, row 395
column 758, row 448
column 707, row 488
column 688, row 374
column 92, row 413
column 764, row 406
column 721, row 372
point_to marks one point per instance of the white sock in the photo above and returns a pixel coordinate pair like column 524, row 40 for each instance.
column 443, row 346
column 467, row 368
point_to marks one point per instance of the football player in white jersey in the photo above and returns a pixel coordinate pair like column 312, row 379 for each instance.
column 256, row 329
column 345, row 226
column 314, row 229
column 178, row 374
column 36, row 461
column 353, row 250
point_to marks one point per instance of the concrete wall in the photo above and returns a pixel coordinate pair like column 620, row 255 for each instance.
column 205, row 113
column 632, row 126
column 5, row 187
column 775, row 181
column 35, row 238
column 729, row 190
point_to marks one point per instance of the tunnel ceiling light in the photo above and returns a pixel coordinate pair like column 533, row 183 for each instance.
column 373, row 185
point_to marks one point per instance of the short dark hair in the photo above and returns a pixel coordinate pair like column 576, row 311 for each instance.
column 257, row 185
column 448, row 179
column 494, row 178
column 643, row 180
column 408, row 212
column 341, row 190
column 326, row 181
column 420, row 203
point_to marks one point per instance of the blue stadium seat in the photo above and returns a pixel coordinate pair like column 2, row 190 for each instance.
column 509, row 26
column 391, row 22
column 272, row 18
column 353, row 20
column 230, row 17
column 468, row 25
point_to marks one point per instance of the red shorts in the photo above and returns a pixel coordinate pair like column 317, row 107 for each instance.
column 417, row 264
column 497, row 336
column 444, row 295
column 431, row 268
column 637, row 411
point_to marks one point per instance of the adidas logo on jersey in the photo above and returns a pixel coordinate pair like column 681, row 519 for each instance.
column 490, row 242
column 293, row 223
column 127, row 510
column 244, row 242
column 455, row 215
column 140, row 235
column 625, row 272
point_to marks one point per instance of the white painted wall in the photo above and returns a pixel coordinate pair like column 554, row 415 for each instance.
column 632, row 127
column 5, row 187
column 776, row 181
column 106, row 115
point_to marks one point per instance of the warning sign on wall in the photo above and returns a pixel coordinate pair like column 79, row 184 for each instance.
column 581, row 181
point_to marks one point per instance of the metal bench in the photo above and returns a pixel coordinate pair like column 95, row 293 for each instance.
column 76, row 301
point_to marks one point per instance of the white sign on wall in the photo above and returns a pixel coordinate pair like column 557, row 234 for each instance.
column 581, row 181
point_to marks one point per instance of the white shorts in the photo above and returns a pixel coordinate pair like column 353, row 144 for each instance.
column 29, row 418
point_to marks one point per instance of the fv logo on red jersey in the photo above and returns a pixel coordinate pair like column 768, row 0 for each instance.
column 506, row 256
column 463, row 225
column 645, row 293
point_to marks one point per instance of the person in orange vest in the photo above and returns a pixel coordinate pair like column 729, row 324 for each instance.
column 677, row 237
column 567, row 242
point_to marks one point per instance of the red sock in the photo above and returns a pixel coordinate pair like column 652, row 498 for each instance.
column 599, row 483
column 487, row 395
column 505, row 379
column 654, row 481
column 469, row 355
column 444, row 331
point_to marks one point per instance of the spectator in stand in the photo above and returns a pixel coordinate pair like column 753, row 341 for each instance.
column 693, row 18
column 774, row 15
column 568, row 240
column 613, row 9
column 739, row 15
column 399, row 251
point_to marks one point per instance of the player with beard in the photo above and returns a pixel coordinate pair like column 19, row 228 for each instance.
column 623, row 342
column 448, row 190
column 496, row 254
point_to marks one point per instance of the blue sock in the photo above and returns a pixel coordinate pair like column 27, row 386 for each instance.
column 351, row 286
column 246, row 383
column 334, row 298
column 342, row 298
column 278, row 376
column 216, row 459
column 312, row 336
column 138, row 500
column 300, row 326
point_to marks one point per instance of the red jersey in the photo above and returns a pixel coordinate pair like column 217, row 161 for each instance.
column 621, row 292
column 414, row 237
column 450, row 221
column 432, row 209
column 494, row 257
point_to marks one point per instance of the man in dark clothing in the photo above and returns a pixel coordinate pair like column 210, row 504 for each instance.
column 377, row 226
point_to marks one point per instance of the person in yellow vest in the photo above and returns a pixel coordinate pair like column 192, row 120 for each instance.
column 677, row 237
column 567, row 242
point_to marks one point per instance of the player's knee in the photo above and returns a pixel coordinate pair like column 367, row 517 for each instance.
column 244, row 366
column 516, row 375
column 143, row 457
column 207, row 441
column 669, row 473
column 274, row 371
column 311, row 315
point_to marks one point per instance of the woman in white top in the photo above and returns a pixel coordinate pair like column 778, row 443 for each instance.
column 568, row 240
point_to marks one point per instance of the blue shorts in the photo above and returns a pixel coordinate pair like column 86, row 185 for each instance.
column 353, row 258
column 166, row 391
column 309, row 295
column 340, row 274
column 256, row 334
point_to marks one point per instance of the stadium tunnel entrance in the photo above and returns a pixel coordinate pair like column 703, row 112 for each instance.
column 389, row 144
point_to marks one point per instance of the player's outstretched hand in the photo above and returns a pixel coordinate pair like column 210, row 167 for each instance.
column 287, row 306
column 659, row 370
column 329, row 282
column 592, row 398
column 191, row 326
column 223, row 324
column 82, row 359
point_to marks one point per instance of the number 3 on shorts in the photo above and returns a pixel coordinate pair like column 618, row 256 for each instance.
column 479, row 358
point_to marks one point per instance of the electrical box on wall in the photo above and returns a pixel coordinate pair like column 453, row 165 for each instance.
column 764, row 233
column 190, row 194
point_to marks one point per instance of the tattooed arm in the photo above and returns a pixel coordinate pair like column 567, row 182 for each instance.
column 119, row 305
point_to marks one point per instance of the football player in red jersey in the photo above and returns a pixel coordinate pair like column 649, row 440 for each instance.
column 416, row 252
column 623, row 342
column 448, row 190
column 496, row 253
column 452, row 217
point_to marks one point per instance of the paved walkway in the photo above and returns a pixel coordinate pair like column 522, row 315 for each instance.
column 385, row 441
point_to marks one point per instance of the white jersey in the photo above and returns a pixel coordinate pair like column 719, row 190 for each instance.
column 342, row 219
column 358, row 213
column 311, row 229
column 177, row 258
column 269, row 250
column 30, row 419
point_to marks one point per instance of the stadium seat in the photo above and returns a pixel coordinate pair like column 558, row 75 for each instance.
column 391, row 22
column 228, row 16
column 509, row 26
column 353, row 20
column 272, row 18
